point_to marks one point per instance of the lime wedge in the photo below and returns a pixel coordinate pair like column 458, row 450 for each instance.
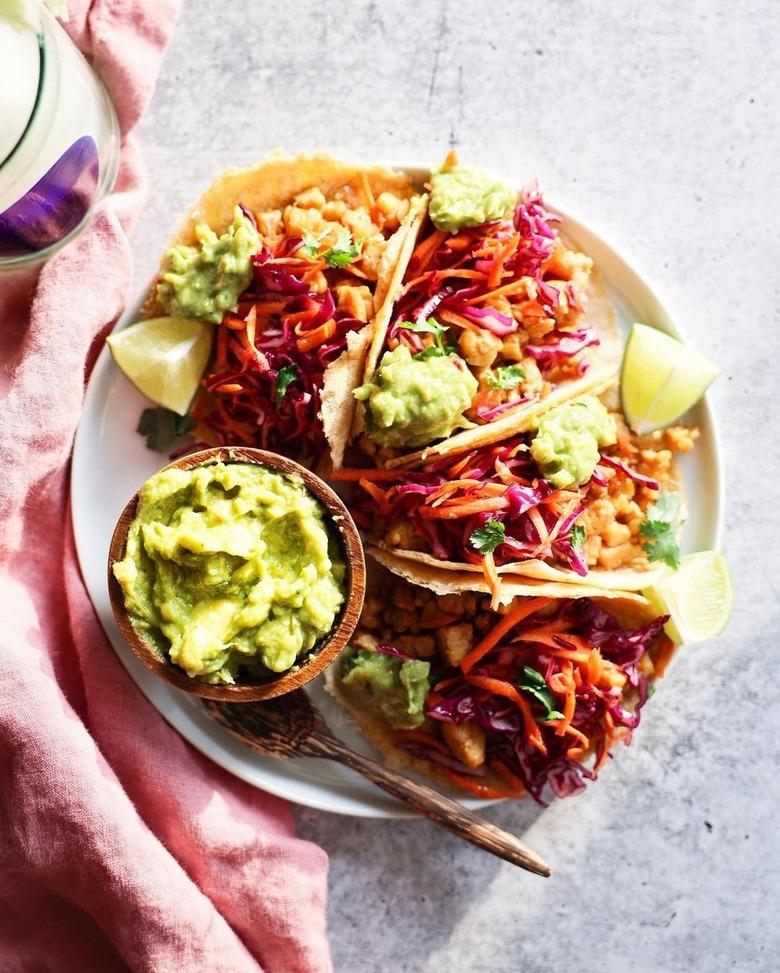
column 698, row 597
column 164, row 358
column 660, row 379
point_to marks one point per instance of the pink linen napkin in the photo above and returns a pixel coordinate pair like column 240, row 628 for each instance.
column 120, row 846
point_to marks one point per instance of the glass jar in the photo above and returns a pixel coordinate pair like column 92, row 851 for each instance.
column 59, row 142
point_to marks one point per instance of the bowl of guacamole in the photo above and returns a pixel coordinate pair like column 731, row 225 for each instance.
column 236, row 574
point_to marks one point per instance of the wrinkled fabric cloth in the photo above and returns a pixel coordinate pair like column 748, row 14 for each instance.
column 120, row 846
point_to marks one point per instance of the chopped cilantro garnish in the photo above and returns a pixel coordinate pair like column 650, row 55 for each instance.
column 438, row 349
column 533, row 683
column 160, row 427
column 487, row 538
column 287, row 375
column 577, row 537
column 663, row 520
column 311, row 244
column 505, row 376
column 343, row 252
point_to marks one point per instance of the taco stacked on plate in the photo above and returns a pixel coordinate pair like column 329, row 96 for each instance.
column 292, row 261
column 500, row 704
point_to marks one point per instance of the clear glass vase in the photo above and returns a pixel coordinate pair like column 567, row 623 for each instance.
column 59, row 142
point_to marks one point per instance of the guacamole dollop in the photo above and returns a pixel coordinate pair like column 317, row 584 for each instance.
column 230, row 566
column 383, row 684
column 468, row 196
column 413, row 401
column 206, row 280
column 566, row 445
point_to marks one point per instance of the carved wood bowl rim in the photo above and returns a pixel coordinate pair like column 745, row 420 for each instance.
column 251, row 689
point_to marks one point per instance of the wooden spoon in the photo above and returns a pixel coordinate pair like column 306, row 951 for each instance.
column 291, row 726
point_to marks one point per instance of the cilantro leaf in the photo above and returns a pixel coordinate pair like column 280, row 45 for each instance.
column 287, row 375
column 663, row 520
column 487, row 538
column 424, row 327
column 534, row 684
column 311, row 244
column 161, row 427
column 343, row 252
column 577, row 537
column 438, row 349
column 505, row 377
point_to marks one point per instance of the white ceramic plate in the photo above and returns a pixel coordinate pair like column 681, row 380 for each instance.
column 110, row 462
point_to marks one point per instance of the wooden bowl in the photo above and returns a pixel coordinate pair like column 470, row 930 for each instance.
column 252, row 689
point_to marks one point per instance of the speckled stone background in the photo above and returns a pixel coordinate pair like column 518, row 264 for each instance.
column 658, row 122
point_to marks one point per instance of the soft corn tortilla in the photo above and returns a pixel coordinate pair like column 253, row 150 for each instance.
column 447, row 577
column 630, row 610
column 273, row 184
column 344, row 375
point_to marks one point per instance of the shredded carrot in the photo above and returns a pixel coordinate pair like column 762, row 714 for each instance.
column 365, row 191
column 447, row 488
column 229, row 387
column 662, row 656
column 233, row 426
column 578, row 735
column 234, row 322
column 270, row 307
column 577, row 643
column 222, row 336
column 379, row 496
column 424, row 251
column 459, row 321
column 570, row 700
column 472, row 785
column 450, row 160
column 507, row 690
column 515, row 287
column 484, row 505
column 594, row 667
column 492, row 579
column 347, row 475
column 507, row 623
column 477, row 491
column 313, row 339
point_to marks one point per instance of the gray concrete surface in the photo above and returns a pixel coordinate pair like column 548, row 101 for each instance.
column 659, row 123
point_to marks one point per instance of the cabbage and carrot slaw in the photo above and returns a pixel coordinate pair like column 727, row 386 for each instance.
column 553, row 686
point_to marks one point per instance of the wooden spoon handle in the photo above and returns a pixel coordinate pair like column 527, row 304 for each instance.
column 442, row 810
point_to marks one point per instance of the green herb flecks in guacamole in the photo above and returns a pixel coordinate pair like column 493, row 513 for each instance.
column 206, row 280
column 393, row 688
column 566, row 445
column 413, row 401
column 468, row 196
column 230, row 566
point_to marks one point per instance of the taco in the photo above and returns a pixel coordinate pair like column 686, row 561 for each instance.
column 496, row 314
column 580, row 499
column 500, row 705
column 291, row 260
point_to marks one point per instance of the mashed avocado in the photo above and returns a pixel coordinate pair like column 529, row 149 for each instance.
column 204, row 281
column 392, row 687
column 229, row 566
column 413, row 401
column 468, row 196
column 566, row 445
